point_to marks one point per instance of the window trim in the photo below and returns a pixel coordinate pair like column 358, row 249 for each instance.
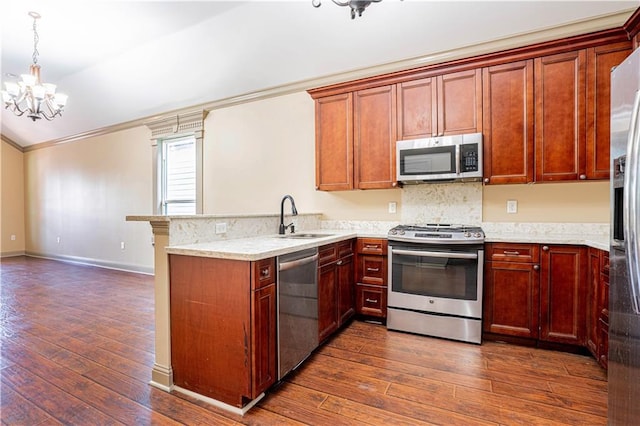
column 167, row 127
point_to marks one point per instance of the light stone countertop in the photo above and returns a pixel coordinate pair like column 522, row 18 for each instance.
column 260, row 247
column 596, row 241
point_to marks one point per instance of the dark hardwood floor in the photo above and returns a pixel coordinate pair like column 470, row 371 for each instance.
column 77, row 349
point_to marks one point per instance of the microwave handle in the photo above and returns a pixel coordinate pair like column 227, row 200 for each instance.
column 458, row 159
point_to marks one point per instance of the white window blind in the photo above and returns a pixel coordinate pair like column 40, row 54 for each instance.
column 179, row 176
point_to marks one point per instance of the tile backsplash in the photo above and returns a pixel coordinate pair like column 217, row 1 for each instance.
column 457, row 203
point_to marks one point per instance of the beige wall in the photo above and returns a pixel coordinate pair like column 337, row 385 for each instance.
column 575, row 202
column 81, row 192
column 253, row 154
column 12, row 227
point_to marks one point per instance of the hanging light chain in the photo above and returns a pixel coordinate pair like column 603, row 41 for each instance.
column 36, row 38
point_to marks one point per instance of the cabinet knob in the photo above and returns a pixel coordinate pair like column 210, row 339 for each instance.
column 339, row 262
column 264, row 272
column 545, row 248
column 583, row 177
column 536, row 267
column 486, row 180
column 394, row 184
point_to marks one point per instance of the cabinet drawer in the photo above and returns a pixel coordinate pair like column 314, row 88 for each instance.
column 264, row 272
column 327, row 254
column 372, row 270
column 345, row 248
column 372, row 246
column 371, row 300
column 523, row 253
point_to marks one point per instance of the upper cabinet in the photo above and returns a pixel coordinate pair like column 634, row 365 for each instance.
column 560, row 132
column 543, row 111
column 600, row 61
column 441, row 105
column 508, row 122
column 334, row 142
column 375, row 138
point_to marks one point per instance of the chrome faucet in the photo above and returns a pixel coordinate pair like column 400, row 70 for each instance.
column 294, row 212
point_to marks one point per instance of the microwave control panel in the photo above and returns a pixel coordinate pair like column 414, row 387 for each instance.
column 469, row 157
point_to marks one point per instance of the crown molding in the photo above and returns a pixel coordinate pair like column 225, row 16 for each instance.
column 605, row 22
column 11, row 142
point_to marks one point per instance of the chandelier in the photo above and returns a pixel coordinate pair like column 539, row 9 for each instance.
column 30, row 95
column 355, row 5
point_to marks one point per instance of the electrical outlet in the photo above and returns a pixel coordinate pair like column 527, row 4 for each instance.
column 121, row 245
column 392, row 207
column 58, row 240
column 221, row 228
column 512, row 206
column 13, row 238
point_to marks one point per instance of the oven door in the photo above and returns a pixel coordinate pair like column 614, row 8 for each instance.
column 436, row 279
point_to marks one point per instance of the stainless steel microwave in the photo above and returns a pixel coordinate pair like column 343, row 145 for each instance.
column 440, row 159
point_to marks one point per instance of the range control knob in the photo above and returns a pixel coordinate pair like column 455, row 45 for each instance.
column 402, row 232
column 477, row 235
column 467, row 234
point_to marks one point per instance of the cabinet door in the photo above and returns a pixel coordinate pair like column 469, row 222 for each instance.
column 593, row 293
column 327, row 296
column 334, row 143
column 507, row 111
column 511, row 299
column 375, row 138
column 600, row 61
column 346, row 289
column 562, row 294
column 417, row 113
column 264, row 355
column 460, row 102
column 560, row 129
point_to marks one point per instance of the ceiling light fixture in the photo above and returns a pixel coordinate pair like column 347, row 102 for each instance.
column 30, row 95
column 355, row 5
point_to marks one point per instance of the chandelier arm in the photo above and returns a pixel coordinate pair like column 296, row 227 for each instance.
column 341, row 3
column 316, row 3
column 13, row 108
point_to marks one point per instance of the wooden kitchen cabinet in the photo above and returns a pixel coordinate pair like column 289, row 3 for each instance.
column 371, row 277
column 446, row 104
column 375, row 138
column 508, row 114
column 223, row 327
column 536, row 292
column 598, row 306
column 563, row 273
column 560, row 130
column 600, row 61
column 512, row 290
column 335, row 287
column 334, row 142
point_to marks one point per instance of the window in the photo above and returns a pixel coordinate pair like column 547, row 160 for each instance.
column 178, row 176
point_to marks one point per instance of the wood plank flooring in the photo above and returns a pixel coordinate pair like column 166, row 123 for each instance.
column 77, row 349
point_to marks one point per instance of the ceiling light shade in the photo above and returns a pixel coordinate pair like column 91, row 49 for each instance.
column 356, row 5
column 31, row 96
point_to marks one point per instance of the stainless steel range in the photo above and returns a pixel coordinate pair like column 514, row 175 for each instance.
column 435, row 280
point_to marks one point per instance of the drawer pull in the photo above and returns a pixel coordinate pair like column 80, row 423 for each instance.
column 371, row 300
column 372, row 246
column 264, row 272
column 373, row 269
column 511, row 253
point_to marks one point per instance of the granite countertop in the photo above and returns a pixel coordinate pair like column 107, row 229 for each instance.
column 596, row 240
column 261, row 247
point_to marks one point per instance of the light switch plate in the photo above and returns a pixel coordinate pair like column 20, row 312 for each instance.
column 512, row 206
column 392, row 207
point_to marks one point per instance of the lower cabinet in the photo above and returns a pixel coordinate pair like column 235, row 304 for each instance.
column 536, row 292
column 598, row 306
column 335, row 287
column 223, row 326
column 371, row 277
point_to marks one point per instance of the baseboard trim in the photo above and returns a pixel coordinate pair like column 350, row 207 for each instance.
column 93, row 262
column 223, row 405
column 12, row 253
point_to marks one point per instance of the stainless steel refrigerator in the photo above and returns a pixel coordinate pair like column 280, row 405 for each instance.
column 624, row 297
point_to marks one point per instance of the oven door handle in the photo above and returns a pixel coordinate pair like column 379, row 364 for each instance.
column 449, row 255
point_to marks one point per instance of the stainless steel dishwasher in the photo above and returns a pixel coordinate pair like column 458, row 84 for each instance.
column 297, row 308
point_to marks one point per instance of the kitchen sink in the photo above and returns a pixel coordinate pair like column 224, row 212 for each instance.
column 303, row 236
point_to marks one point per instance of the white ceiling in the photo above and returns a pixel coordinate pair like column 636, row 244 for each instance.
column 126, row 60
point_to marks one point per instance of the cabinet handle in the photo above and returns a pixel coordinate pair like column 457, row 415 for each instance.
column 371, row 300
column 264, row 272
column 373, row 269
column 486, row 180
column 511, row 253
column 583, row 177
column 371, row 246
column 339, row 262
column 536, row 267
column 545, row 248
